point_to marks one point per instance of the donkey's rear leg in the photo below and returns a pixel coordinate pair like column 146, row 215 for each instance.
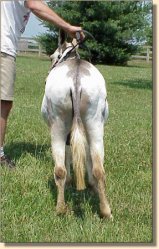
column 95, row 138
column 91, row 180
column 58, row 150
column 68, row 161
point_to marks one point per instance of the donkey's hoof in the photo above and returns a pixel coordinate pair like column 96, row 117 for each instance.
column 105, row 212
column 106, row 215
column 61, row 209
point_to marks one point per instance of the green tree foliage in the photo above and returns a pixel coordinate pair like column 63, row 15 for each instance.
column 116, row 25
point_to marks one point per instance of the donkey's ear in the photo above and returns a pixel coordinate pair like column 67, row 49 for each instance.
column 62, row 37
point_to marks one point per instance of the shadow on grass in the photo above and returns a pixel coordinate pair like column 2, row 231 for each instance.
column 16, row 150
column 133, row 83
column 77, row 198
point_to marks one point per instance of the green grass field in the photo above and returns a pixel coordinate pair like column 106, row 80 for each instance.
column 28, row 195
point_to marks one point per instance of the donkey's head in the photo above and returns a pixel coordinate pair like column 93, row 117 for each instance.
column 64, row 47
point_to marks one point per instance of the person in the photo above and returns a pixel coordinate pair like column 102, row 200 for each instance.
column 15, row 15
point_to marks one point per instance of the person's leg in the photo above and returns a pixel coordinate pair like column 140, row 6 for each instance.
column 7, row 92
column 5, row 110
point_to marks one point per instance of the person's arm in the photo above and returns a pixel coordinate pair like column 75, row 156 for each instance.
column 41, row 10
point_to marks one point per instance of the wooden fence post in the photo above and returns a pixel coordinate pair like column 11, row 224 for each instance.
column 148, row 54
column 40, row 50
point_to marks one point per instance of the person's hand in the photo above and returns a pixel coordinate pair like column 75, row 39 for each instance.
column 73, row 30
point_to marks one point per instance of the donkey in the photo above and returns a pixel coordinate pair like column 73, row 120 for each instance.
column 75, row 108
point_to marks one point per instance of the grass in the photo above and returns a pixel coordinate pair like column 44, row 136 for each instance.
column 28, row 195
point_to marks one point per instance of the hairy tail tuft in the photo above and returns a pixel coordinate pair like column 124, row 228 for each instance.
column 78, row 146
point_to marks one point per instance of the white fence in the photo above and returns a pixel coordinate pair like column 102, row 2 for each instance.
column 26, row 45
column 145, row 54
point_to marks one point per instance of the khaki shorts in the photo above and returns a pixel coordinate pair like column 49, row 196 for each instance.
column 8, row 73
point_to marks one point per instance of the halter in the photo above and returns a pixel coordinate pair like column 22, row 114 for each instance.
column 65, row 55
column 67, row 52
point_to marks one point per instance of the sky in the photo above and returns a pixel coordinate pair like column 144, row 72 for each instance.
column 33, row 27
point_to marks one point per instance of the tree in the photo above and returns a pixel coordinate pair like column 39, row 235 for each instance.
column 118, row 26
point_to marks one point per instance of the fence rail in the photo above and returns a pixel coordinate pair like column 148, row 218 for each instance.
column 26, row 45
column 145, row 54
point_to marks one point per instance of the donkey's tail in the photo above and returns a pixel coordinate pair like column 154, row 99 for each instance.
column 78, row 137
column 78, row 146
